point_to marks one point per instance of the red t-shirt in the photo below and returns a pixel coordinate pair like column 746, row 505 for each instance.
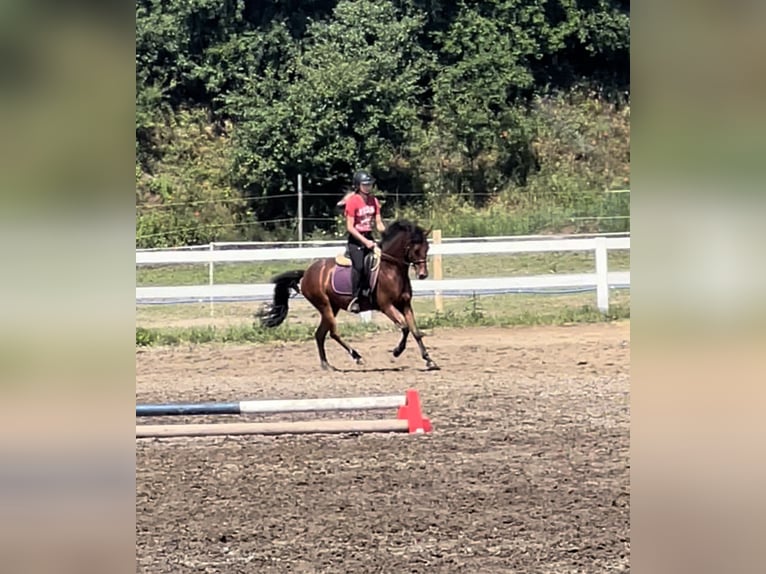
column 363, row 211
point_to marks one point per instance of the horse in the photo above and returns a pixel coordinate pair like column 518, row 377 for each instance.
column 326, row 284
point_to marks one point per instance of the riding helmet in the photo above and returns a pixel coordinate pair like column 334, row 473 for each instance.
column 362, row 177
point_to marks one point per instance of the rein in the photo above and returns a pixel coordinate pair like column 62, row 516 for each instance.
column 403, row 262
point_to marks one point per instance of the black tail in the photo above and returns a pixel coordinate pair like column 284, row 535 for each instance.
column 274, row 314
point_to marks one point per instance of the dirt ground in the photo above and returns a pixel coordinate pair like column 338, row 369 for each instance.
column 527, row 469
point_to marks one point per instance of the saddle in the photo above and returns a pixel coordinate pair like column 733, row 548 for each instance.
column 342, row 273
column 371, row 260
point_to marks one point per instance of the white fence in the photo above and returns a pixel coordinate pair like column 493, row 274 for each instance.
column 601, row 280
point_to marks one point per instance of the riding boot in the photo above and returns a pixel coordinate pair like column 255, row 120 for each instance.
column 353, row 307
column 364, row 290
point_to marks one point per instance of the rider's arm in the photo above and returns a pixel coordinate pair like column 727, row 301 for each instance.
column 379, row 223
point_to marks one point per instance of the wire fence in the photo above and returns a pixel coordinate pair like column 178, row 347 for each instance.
column 607, row 216
column 294, row 196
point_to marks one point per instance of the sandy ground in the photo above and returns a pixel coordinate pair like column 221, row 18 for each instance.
column 527, row 469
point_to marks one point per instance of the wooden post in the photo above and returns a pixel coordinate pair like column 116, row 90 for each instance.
column 271, row 428
column 438, row 299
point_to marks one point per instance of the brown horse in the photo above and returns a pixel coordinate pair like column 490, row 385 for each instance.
column 326, row 285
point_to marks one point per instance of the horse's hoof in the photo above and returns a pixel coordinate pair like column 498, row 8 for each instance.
column 360, row 361
column 431, row 366
column 327, row 367
column 397, row 352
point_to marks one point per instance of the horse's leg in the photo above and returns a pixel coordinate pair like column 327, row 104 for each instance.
column 317, row 290
column 409, row 317
column 400, row 319
column 399, row 349
column 327, row 323
column 389, row 308
column 350, row 350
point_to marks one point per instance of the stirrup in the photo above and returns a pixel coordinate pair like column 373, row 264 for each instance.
column 354, row 307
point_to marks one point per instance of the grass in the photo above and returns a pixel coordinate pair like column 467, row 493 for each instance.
column 454, row 266
column 234, row 323
column 235, row 334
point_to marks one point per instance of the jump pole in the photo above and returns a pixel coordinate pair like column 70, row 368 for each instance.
column 276, row 428
column 409, row 416
column 273, row 406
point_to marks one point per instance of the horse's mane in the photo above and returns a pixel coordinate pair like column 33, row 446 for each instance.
column 415, row 232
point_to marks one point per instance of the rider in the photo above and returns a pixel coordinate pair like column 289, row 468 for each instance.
column 361, row 208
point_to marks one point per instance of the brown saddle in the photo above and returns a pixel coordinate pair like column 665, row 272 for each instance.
column 371, row 263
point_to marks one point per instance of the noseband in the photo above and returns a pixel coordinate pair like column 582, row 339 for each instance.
column 410, row 261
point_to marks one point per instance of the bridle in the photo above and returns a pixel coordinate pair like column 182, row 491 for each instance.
column 406, row 262
column 407, row 257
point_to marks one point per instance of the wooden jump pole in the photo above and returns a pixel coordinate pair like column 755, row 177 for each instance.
column 409, row 416
column 276, row 428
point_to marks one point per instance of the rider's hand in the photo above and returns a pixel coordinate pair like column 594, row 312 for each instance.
column 370, row 244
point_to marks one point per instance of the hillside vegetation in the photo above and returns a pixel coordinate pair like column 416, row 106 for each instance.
column 481, row 118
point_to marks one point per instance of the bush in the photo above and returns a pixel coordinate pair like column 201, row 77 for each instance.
column 582, row 147
column 184, row 197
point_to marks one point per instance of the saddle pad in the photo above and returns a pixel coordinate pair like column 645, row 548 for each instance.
column 341, row 280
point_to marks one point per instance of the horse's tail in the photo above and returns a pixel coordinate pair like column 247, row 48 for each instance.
column 274, row 314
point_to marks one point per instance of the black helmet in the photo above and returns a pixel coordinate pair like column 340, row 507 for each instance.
column 362, row 177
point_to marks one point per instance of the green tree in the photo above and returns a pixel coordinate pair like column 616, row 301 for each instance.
column 351, row 101
column 469, row 101
column 480, row 94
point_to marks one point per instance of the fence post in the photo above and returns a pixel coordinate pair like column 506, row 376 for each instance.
column 210, row 277
column 602, row 275
column 300, row 209
column 438, row 298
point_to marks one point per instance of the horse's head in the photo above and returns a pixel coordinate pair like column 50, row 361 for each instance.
column 418, row 253
column 409, row 243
